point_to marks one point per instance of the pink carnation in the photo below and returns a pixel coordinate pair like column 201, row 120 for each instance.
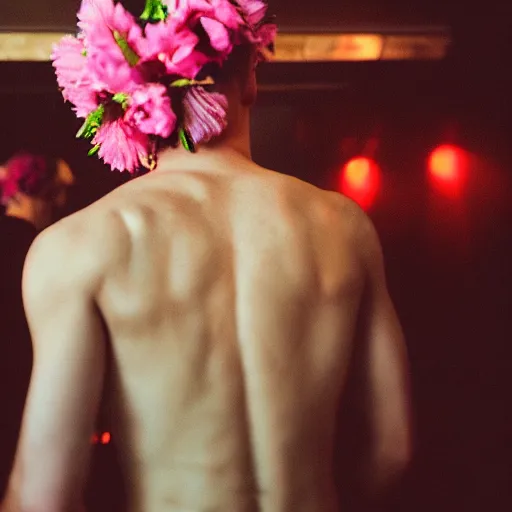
column 174, row 45
column 180, row 9
column 112, row 74
column 151, row 112
column 218, row 35
column 122, row 145
column 72, row 76
column 226, row 13
column 100, row 22
column 99, row 19
column 254, row 11
column 217, row 18
column 257, row 32
column 205, row 114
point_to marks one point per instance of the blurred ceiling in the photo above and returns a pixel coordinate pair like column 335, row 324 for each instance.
column 318, row 15
column 357, row 14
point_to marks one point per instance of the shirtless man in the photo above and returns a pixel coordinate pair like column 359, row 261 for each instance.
column 214, row 306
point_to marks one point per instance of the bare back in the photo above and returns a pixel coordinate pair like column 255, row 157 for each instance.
column 231, row 308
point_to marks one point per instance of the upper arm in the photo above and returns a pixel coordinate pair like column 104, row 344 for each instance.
column 386, row 358
column 69, row 357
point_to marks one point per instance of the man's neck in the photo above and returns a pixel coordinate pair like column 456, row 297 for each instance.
column 233, row 145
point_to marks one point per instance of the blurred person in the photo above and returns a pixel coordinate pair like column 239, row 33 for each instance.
column 32, row 190
column 211, row 307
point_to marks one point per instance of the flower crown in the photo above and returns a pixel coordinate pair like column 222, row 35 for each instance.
column 138, row 82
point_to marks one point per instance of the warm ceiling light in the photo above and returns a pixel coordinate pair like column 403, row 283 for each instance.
column 360, row 180
column 290, row 47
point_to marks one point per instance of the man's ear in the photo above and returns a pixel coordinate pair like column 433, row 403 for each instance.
column 249, row 86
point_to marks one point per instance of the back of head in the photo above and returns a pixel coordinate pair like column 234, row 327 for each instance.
column 28, row 174
column 164, row 77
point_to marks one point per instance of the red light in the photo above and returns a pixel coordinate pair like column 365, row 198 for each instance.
column 447, row 166
column 105, row 438
column 360, row 180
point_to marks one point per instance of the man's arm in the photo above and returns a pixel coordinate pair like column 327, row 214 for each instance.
column 387, row 372
column 376, row 421
column 59, row 286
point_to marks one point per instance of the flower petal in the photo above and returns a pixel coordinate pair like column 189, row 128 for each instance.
column 122, row 146
column 151, row 112
column 205, row 114
column 104, row 24
column 70, row 62
column 218, row 34
column 254, row 10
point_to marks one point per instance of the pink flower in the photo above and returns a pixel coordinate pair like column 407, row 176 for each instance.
column 174, row 45
column 99, row 19
column 226, row 13
column 179, row 9
column 122, row 146
column 112, row 74
column 265, row 35
column 216, row 17
column 218, row 35
column 72, row 76
column 150, row 111
column 254, row 11
column 257, row 32
column 113, row 42
column 205, row 114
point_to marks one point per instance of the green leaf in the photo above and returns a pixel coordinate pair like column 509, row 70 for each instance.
column 182, row 82
column 155, row 11
column 187, row 142
column 122, row 99
column 94, row 150
column 91, row 124
column 129, row 54
column 185, row 82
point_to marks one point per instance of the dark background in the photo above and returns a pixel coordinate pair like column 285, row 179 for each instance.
column 448, row 261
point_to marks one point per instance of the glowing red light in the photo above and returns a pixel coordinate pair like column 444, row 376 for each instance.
column 360, row 180
column 105, row 438
column 447, row 166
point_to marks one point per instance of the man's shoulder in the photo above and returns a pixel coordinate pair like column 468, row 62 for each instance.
column 358, row 227
column 335, row 208
column 78, row 229
column 350, row 221
column 75, row 249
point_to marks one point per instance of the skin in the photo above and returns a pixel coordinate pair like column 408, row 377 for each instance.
column 230, row 299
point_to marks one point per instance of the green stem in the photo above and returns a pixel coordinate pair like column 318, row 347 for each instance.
column 129, row 54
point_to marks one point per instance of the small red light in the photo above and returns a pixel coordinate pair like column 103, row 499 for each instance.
column 360, row 180
column 105, row 438
column 447, row 166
